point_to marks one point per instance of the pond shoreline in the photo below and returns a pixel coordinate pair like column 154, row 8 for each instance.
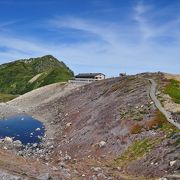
column 23, row 128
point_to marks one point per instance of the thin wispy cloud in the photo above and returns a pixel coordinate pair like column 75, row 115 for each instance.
column 140, row 17
column 4, row 26
column 141, row 42
column 149, row 25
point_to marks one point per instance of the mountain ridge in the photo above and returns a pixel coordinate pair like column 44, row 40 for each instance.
column 15, row 76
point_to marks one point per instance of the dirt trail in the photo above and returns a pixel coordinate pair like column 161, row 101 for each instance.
column 158, row 104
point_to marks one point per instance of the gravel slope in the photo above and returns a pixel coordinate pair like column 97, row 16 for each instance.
column 42, row 95
column 91, row 125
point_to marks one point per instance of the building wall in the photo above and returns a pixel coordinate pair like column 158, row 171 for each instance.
column 100, row 77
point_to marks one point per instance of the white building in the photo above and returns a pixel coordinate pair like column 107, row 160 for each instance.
column 88, row 78
column 95, row 76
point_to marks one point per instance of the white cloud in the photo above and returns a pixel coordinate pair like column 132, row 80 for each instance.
column 147, row 17
column 118, row 47
column 145, row 28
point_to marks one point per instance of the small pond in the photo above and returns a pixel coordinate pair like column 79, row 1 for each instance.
column 23, row 128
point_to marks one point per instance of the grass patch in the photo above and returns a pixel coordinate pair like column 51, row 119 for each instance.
column 137, row 117
column 169, row 129
column 6, row 97
column 135, row 151
column 173, row 90
column 177, row 142
column 135, row 114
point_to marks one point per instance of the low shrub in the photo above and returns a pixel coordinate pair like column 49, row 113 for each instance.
column 157, row 122
column 136, row 129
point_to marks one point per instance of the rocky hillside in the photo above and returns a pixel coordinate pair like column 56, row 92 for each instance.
column 24, row 75
column 109, row 129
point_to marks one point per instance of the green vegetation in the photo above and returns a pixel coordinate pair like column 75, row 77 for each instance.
column 6, row 97
column 135, row 114
column 158, row 122
column 15, row 76
column 169, row 129
column 136, row 150
column 161, row 122
column 173, row 89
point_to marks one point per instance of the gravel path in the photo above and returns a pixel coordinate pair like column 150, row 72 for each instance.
column 158, row 104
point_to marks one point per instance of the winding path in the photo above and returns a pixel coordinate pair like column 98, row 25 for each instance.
column 158, row 104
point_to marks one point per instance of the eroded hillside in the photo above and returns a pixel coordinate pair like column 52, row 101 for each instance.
column 107, row 129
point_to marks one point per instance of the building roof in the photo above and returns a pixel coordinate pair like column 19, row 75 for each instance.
column 88, row 75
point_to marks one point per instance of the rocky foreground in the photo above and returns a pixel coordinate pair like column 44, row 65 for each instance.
column 105, row 130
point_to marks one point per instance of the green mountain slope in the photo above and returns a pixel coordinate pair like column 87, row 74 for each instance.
column 21, row 76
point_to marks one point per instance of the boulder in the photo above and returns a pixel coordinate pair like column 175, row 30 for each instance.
column 172, row 163
column 67, row 157
column 35, row 145
column 62, row 165
column 96, row 169
column 45, row 176
column 8, row 140
column 102, row 144
column 37, row 129
column 68, row 124
column 17, row 143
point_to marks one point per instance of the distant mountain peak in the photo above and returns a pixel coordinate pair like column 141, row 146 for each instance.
column 15, row 76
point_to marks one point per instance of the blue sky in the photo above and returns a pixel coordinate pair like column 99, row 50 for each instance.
column 109, row 36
